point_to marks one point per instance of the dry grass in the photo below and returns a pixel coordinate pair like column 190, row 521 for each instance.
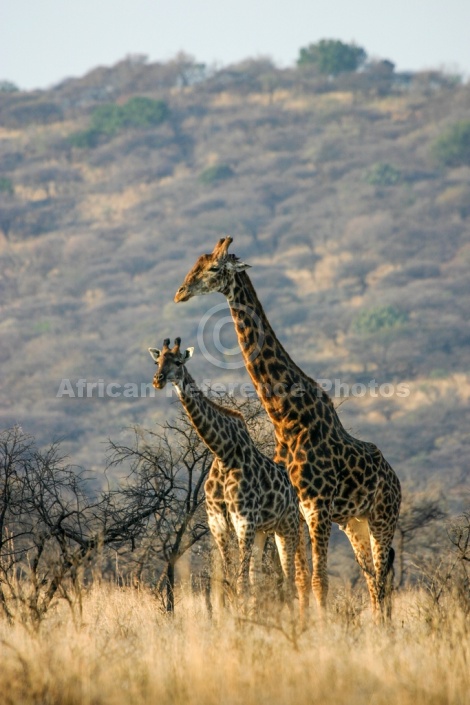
column 124, row 650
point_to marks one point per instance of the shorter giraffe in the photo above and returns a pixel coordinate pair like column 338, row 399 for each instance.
column 244, row 488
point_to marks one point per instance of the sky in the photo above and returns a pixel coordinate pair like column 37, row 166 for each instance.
column 44, row 41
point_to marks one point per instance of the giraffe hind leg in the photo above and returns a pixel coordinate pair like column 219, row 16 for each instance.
column 246, row 536
column 384, row 556
column 256, row 566
column 222, row 535
column 357, row 531
column 286, row 546
column 302, row 575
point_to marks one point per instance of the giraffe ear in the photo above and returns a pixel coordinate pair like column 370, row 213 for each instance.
column 188, row 353
column 237, row 266
column 155, row 353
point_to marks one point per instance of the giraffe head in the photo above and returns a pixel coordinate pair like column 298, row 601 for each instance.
column 212, row 272
column 170, row 362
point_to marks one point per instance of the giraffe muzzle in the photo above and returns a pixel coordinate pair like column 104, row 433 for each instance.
column 182, row 295
column 159, row 381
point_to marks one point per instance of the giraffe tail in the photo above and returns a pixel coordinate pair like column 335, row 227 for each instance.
column 389, row 578
column 390, row 561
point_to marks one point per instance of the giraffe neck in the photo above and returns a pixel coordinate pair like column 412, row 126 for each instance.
column 276, row 377
column 217, row 427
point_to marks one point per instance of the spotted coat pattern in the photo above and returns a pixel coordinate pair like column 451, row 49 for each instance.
column 244, row 489
column 338, row 478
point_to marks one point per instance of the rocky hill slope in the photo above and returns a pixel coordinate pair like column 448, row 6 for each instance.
column 359, row 242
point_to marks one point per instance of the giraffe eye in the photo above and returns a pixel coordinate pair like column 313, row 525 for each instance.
column 177, row 363
column 214, row 269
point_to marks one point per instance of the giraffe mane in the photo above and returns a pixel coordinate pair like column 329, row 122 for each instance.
column 227, row 410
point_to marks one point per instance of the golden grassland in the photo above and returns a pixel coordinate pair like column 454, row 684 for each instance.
column 123, row 649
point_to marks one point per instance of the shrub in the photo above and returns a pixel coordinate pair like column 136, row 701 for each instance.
column 6, row 185
column 218, row 172
column 109, row 119
column 86, row 139
column 373, row 320
column 331, row 56
column 383, row 174
column 137, row 112
column 452, row 148
column 8, row 87
column 144, row 112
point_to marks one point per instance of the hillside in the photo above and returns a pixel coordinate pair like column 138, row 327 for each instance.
column 359, row 244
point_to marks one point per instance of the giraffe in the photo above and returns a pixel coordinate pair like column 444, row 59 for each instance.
column 338, row 478
column 244, row 488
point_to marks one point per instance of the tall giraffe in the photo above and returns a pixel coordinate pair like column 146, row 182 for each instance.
column 243, row 487
column 337, row 477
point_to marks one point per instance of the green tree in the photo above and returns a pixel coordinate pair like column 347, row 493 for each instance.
column 218, row 172
column 373, row 320
column 383, row 174
column 86, row 139
column 8, row 87
column 377, row 332
column 332, row 56
column 107, row 119
column 452, row 148
column 144, row 112
column 6, row 185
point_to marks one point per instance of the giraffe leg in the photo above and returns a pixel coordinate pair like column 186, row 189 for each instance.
column 383, row 556
column 286, row 547
column 382, row 524
column 319, row 526
column 246, row 536
column 357, row 531
column 220, row 530
column 256, row 565
column 302, row 575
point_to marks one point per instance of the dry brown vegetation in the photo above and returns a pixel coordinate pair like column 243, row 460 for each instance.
column 88, row 613
column 122, row 649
